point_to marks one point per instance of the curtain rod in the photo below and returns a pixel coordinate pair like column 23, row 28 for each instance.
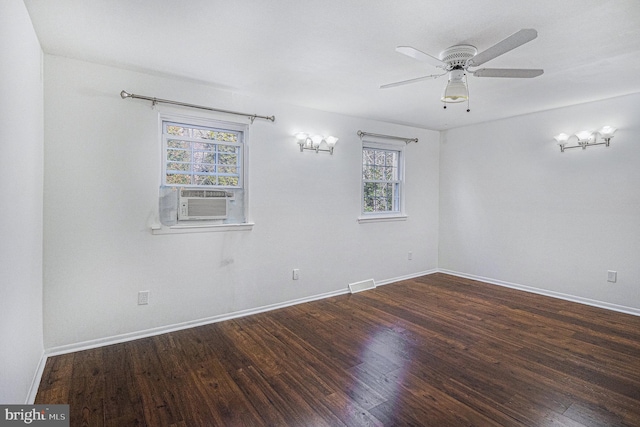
column 155, row 101
column 406, row 140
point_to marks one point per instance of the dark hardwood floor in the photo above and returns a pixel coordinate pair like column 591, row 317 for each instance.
column 432, row 351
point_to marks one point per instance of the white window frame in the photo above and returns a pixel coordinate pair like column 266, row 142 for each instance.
column 244, row 178
column 400, row 214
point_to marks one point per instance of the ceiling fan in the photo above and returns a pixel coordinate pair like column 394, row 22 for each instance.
column 457, row 61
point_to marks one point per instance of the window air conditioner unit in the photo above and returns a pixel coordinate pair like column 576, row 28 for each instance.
column 201, row 204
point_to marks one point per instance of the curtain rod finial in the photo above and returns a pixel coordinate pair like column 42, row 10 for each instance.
column 125, row 94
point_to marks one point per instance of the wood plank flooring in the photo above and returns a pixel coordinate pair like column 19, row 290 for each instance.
column 433, row 351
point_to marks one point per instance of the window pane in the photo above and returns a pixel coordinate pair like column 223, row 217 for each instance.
column 379, row 157
column 204, row 167
column 378, row 173
column 228, row 170
column 228, row 180
column 380, row 204
column 175, row 130
column 205, row 180
column 178, row 166
column 178, row 179
column 178, row 155
column 390, row 159
column 204, row 146
column 226, row 136
column 228, row 159
column 367, row 157
column 388, row 197
column 367, row 172
column 390, row 173
column 200, row 133
column 369, row 196
column 227, row 148
column 206, row 158
column 176, row 143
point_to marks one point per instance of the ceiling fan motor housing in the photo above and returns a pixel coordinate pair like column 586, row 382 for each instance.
column 458, row 55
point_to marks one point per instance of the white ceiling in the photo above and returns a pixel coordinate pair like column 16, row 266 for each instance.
column 334, row 54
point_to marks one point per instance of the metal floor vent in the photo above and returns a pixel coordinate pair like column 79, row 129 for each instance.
column 362, row 286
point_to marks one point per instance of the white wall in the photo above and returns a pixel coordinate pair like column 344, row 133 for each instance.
column 102, row 169
column 21, row 110
column 513, row 208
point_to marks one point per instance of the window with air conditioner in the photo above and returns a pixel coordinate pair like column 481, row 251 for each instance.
column 203, row 171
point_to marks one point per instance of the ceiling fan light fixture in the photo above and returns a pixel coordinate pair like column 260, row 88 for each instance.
column 456, row 89
column 455, row 92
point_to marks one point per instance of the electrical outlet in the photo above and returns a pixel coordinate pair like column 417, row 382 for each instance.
column 296, row 274
column 143, row 297
column 612, row 276
column 410, row 256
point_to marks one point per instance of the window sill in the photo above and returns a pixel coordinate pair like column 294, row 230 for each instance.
column 381, row 218
column 200, row 228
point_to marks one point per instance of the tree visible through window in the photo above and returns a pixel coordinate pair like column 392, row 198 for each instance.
column 202, row 156
column 381, row 180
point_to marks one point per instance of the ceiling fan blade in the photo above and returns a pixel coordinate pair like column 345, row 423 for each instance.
column 420, row 56
column 510, row 43
column 406, row 82
column 518, row 73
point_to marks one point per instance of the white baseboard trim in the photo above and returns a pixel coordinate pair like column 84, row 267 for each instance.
column 37, row 377
column 406, row 277
column 86, row 345
column 100, row 342
column 553, row 294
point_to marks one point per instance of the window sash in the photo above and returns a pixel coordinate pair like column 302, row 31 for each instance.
column 213, row 158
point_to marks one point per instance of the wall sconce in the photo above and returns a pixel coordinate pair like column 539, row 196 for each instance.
column 313, row 142
column 586, row 138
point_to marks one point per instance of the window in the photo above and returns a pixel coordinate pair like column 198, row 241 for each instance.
column 382, row 180
column 201, row 156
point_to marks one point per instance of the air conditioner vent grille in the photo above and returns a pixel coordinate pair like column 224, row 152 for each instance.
column 204, row 207
column 203, row 193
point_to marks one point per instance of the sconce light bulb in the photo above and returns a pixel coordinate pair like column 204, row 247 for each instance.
column 331, row 140
column 562, row 138
column 584, row 135
column 607, row 131
column 316, row 140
